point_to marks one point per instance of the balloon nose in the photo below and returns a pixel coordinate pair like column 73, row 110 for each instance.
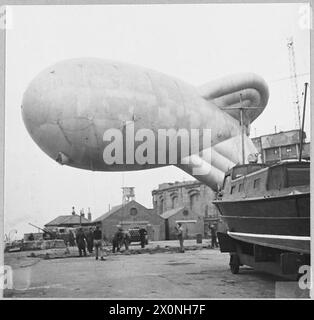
column 62, row 158
column 41, row 116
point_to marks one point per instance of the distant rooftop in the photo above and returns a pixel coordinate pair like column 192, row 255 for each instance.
column 67, row 220
column 169, row 185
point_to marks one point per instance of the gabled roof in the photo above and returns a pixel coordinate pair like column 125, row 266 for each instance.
column 170, row 213
column 67, row 220
column 118, row 207
column 108, row 213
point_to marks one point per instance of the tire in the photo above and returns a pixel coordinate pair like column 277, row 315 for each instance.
column 234, row 263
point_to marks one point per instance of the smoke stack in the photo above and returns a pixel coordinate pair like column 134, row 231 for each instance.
column 73, row 211
column 89, row 215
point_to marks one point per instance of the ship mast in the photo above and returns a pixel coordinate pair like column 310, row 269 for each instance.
column 303, row 118
column 241, row 109
column 294, row 81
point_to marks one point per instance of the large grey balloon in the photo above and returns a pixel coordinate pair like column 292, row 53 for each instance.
column 68, row 107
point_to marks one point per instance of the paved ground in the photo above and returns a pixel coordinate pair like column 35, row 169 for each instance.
column 198, row 273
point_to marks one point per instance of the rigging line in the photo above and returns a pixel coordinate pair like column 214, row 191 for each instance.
column 290, row 77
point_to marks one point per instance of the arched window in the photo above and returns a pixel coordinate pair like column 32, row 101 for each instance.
column 194, row 199
column 206, row 210
column 161, row 206
column 154, row 201
column 174, row 201
column 133, row 212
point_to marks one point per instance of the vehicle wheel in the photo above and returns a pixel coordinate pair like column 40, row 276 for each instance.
column 234, row 263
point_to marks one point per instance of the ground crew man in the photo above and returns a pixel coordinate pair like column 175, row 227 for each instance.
column 81, row 241
column 143, row 234
column 126, row 239
column 71, row 239
column 213, row 236
column 90, row 240
column 179, row 229
column 97, row 236
column 117, row 240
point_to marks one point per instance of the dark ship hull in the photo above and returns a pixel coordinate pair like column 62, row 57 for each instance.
column 280, row 221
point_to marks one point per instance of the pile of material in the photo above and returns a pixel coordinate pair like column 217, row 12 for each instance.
column 43, row 244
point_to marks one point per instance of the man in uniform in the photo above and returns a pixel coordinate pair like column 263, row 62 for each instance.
column 179, row 229
column 117, row 240
column 143, row 234
column 97, row 236
column 213, row 236
column 81, row 241
column 126, row 239
column 71, row 239
column 90, row 240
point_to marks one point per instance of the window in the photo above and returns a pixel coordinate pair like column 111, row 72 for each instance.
column 240, row 187
column 257, row 183
column 133, row 212
column 272, row 154
column 232, row 189
column 226, row 181
column 194, row 199
column 155, row 201
column 289, row 152
column 161, row 208
column 174, row 202
column 206, row 210
column 298, row 176
column 185, row 212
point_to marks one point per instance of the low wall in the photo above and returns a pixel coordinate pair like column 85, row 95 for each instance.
column 43, row 244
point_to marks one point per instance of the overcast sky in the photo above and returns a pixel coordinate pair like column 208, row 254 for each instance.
column 196, row 43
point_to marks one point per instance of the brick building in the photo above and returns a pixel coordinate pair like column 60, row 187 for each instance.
column 131, row 215
column 187, row 202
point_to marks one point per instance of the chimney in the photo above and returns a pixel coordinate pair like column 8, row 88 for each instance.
column 73, row 211
column 89, row 215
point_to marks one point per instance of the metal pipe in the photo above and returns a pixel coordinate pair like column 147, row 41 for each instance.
column 303, row 118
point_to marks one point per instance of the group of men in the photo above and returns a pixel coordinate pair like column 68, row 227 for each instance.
column 93, row 239
column 180, row 235
column 122, row 237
